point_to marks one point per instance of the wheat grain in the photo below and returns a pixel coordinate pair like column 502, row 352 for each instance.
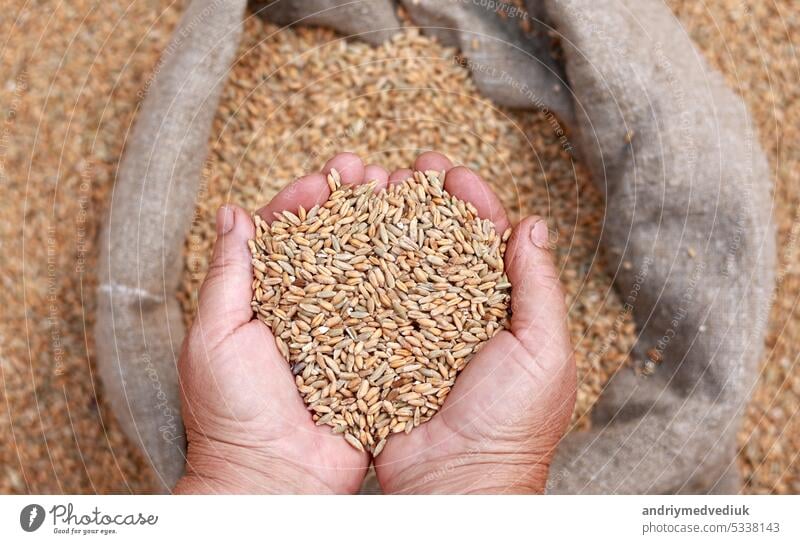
column 378, row 300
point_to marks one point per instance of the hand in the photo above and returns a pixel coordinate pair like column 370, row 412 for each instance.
column 247, row 427
column 503, row 419
column 249, row 431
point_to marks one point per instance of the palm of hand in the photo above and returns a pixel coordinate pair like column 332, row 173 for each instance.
column 250, row 400
column 496, row 431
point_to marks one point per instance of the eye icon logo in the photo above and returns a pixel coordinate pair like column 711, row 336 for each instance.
column 31, row 517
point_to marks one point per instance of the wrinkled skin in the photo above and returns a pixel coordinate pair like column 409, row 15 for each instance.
column 249, row 431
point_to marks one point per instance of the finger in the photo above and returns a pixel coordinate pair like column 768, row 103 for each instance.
column 431, row 160
column 399, row 176
column 373, row 172
column 224, row 300
column 466, row 185
column 308, row 191
column 349, row 166
column 539, row 313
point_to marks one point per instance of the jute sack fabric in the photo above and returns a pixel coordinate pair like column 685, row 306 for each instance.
column 687, row 232
column 690, row 240
column 139, row 327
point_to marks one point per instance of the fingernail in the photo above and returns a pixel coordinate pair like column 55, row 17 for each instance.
column 224, row 220
column 540, row 235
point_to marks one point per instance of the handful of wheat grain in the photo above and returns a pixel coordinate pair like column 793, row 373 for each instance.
column 379, row 300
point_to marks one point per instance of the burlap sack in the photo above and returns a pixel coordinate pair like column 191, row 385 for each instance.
column 688, row 206
column 688, row 229
column 139, row 326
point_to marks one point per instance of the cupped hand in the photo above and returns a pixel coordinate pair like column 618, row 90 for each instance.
column 509, row 408
column 247, row 427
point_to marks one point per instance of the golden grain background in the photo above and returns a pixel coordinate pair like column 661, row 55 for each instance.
column 72, row 75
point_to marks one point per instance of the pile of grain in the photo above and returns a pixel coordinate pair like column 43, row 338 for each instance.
column 379, row 300
column 71, row 77
column 72, row 74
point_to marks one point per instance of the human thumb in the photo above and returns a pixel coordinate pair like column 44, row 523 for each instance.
column 224, row 301
column 539, row 314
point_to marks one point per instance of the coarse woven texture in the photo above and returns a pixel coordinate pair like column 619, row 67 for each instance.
column 72, row 73
column 754, row 45
column 379, row 300
column 689, row 206
column 139, row 329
